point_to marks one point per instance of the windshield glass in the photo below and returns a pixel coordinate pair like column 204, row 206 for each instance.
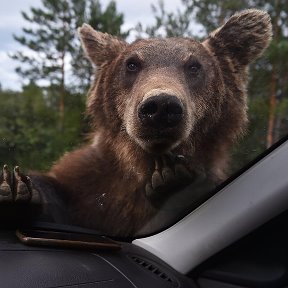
column 151, row 116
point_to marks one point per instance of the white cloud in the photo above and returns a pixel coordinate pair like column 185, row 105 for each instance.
column 10, row 21
column 8, row 78
column 11, row 17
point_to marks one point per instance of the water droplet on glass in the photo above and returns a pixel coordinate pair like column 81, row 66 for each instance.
column 101, row 200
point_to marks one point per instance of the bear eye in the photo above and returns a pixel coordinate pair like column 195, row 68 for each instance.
column 194, row 67
column 132, row 66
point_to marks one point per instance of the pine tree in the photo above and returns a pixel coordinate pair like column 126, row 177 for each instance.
column 212, row 13
column 167, row 24
column 53, row 59
column 105, row 20
column 50, row 41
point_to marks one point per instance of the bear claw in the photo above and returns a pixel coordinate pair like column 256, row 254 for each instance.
column 16, row 187
column 22, row 185
column 5, row 185
column 170, row 175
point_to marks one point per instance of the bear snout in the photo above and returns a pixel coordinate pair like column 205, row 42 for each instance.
column 161, row 111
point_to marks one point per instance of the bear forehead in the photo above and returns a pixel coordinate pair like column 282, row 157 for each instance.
column 167, row 50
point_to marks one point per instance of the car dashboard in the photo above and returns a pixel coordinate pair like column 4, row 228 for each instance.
column 39, row 266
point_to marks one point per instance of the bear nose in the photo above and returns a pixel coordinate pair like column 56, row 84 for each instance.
column 161, row 111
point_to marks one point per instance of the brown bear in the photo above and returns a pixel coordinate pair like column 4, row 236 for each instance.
column 165, row 113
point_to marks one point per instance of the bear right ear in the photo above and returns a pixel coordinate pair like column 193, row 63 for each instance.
column 243, row 38
column 100, row 47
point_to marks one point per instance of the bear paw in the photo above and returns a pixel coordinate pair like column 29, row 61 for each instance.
column 17, row 187
column 170, row 175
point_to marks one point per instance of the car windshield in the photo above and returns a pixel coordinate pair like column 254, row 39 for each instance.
column 167, row 119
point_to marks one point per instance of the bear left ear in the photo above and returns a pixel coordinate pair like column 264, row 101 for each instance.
column 243, row 38
column 100, row 47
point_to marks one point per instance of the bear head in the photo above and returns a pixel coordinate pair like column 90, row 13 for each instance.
column 164, row 93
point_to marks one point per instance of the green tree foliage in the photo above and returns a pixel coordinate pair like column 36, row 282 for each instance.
column 50, row 42
column 54, row 47
column 109, row 21
column 212, row 13
column 34, row 130
column 168, row 24
column 27, row 131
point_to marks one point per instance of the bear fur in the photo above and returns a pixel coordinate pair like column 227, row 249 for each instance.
column 104, row 184
column 105, row 181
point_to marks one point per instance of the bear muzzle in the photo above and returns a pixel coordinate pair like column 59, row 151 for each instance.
column 161, row 111
column 161, row 120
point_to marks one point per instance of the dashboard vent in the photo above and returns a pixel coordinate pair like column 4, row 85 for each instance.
column 154, row 269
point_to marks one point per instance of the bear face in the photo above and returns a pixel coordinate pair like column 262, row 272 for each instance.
column 158, row 87
column 166, row 92
column 169, row 80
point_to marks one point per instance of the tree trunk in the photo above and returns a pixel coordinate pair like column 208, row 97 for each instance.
column 62, row 80
column 62, row 95
column 272, row 108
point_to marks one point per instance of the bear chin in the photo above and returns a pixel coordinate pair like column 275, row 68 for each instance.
column 158, row 146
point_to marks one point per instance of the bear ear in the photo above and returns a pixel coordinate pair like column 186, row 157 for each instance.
column 243, row 38
column 100, row 47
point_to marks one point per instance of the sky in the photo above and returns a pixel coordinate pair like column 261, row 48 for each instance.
column 12, row 21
